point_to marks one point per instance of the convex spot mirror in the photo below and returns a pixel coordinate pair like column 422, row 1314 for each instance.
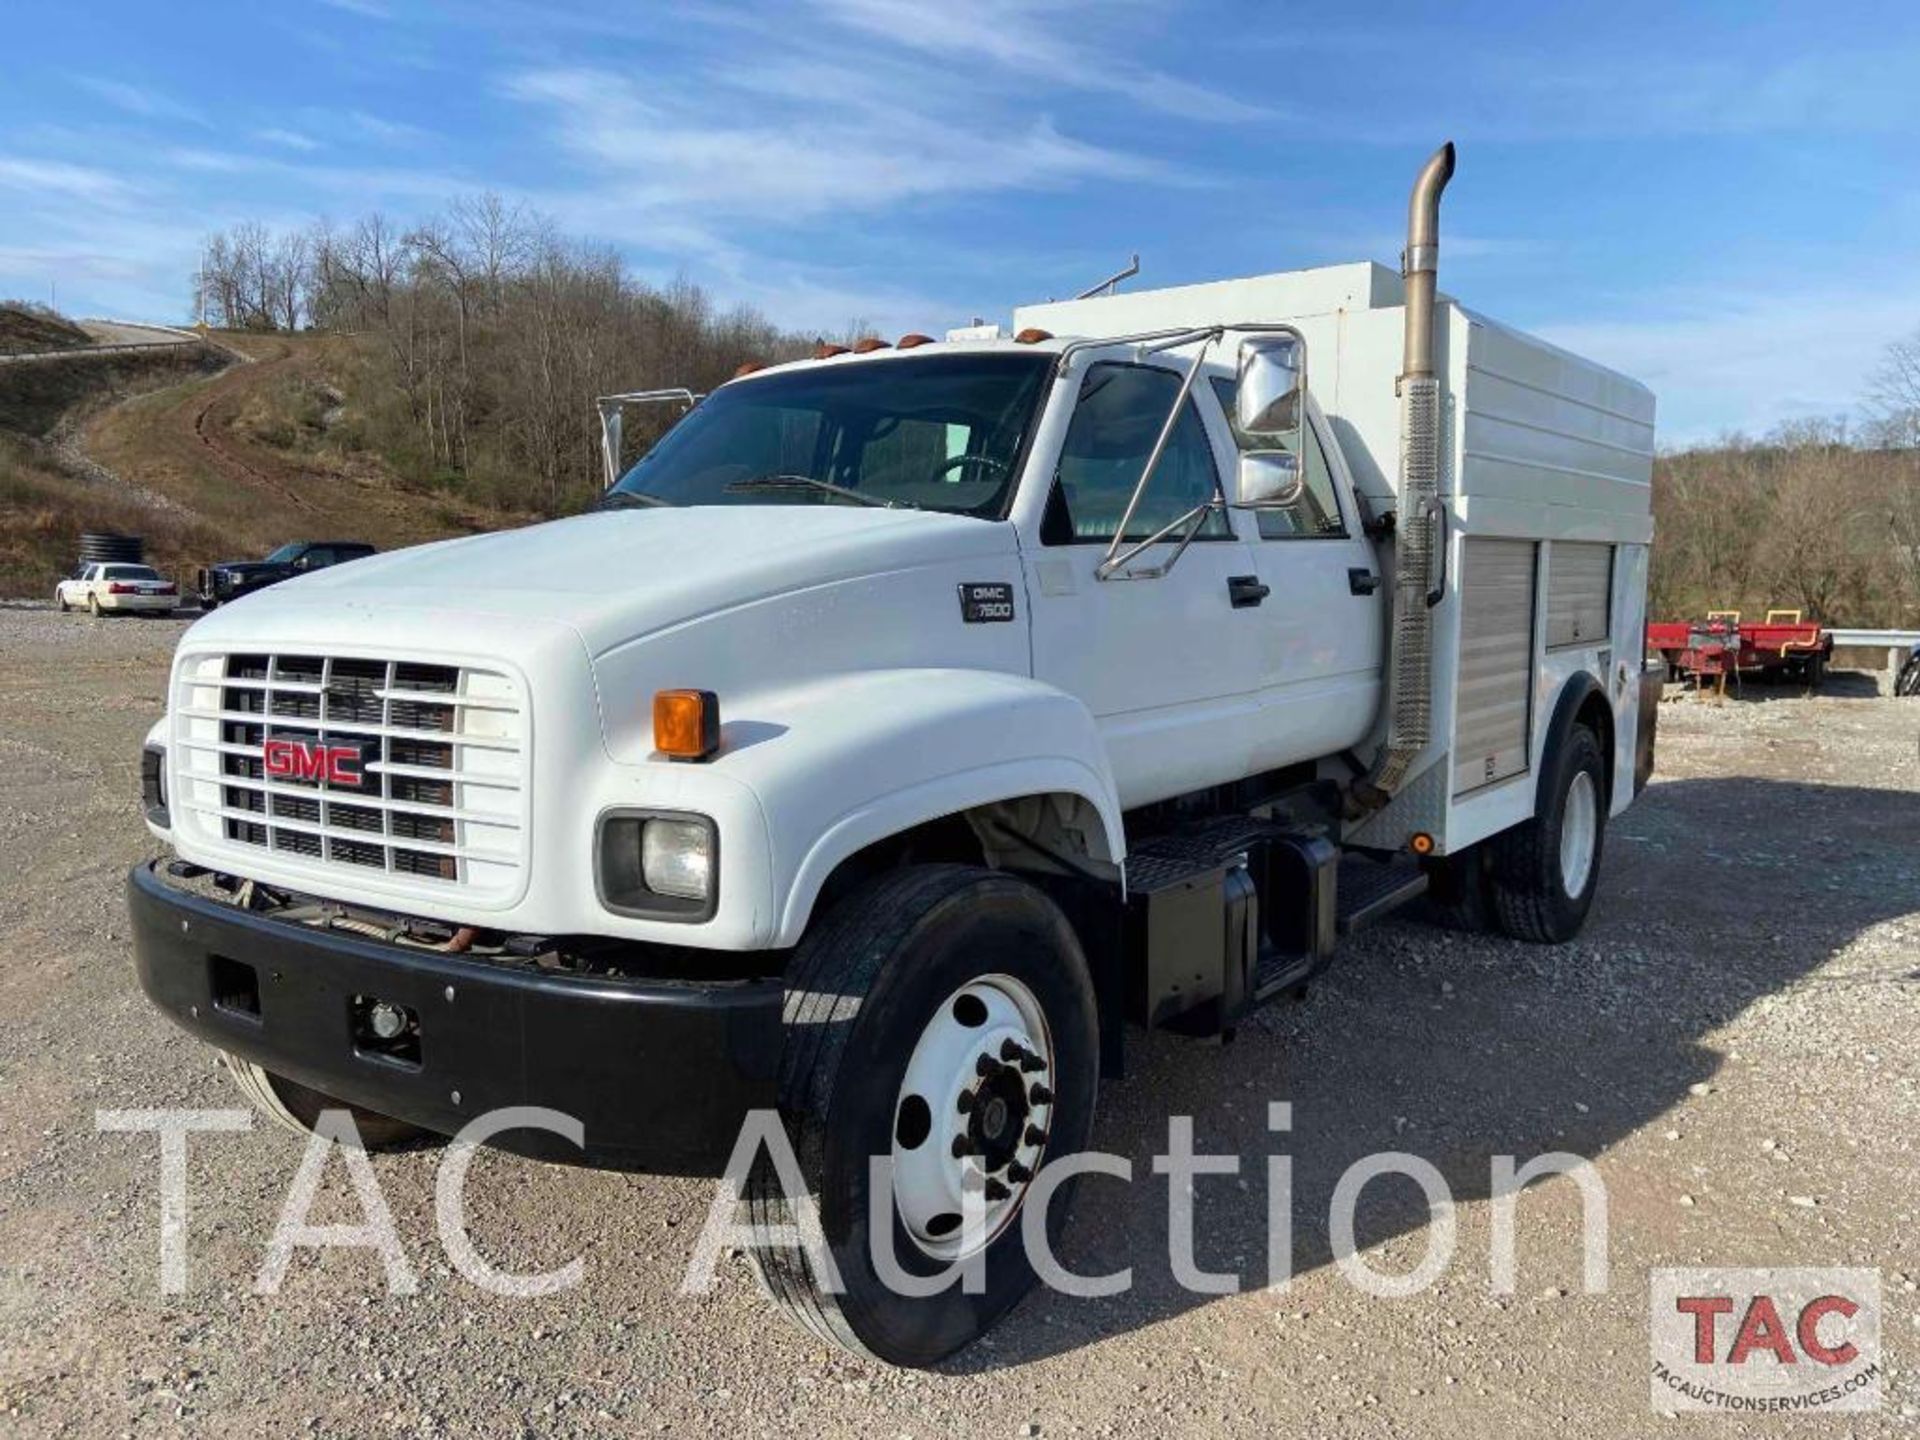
column 1266, row 479
column 1269, row 413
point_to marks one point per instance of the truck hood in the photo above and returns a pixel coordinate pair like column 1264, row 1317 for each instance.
column 618, row 576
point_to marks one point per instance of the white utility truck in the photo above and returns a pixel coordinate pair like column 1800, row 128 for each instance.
column 904, row 724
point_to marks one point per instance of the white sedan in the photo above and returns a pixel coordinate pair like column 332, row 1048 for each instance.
column 118, row 589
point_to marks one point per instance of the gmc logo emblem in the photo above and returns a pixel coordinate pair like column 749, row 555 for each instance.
column 303, row 760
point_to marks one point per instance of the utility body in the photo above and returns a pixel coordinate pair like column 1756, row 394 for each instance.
column 916, row 717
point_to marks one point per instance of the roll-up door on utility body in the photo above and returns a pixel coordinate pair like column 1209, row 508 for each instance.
column 1492, row 708
column 1579, row 593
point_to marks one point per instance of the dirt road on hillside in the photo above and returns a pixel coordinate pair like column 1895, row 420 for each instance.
column 201, row 446
column 1732, row 1042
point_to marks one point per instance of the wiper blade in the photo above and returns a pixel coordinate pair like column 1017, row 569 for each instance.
column 628, row 500
column 806, row 482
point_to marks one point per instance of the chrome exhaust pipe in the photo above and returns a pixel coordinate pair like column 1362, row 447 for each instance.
column 1418, row 549
column 1421, row 261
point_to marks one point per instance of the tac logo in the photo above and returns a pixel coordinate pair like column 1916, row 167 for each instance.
column 1779, row 1340
column 285, row 759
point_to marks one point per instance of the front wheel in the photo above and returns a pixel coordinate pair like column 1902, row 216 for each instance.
column 296, row 1107
column 941, row 1018
column 1543, row 872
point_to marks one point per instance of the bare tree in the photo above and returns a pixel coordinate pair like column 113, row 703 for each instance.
column 487, row 336
column 1893, row 396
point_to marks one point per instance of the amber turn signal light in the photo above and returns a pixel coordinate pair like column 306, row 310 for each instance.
column 686, row 723
column 1421, row 844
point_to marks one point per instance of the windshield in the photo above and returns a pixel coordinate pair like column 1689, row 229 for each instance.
column 131, row 572
column 939, row 433
column 286, row 554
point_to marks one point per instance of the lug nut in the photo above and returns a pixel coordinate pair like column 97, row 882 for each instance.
column 1018, row 1173
column 1035, row 1135
column 985, row 1066
column 1012, row 1050
column 1032, row 1064
column 965, row 1103
column 1040, row 1095
column 962, row 1147
column 997, row 1192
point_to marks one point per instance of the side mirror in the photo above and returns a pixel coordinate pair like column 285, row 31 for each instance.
column 1269, row 414
column 1272, row 379
column 1266, row 479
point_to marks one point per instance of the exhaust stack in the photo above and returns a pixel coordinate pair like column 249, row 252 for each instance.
column 1408, row 700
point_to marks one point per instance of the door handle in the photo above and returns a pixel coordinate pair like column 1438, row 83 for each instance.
column 1246, row 591
column 1362, row 581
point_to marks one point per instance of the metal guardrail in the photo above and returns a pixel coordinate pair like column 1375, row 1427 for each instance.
column 92, row 350
column 114, row 347
column 1891, row 639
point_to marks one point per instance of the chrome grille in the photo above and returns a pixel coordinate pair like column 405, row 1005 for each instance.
column 442, row 751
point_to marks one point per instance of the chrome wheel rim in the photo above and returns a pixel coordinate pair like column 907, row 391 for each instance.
column 971, row 1117
column 1579, row 831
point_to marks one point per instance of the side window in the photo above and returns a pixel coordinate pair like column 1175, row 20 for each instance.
column 1316, row 514
column 1115, row 422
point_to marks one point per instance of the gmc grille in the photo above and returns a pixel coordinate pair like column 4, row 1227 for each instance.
column 442, row 756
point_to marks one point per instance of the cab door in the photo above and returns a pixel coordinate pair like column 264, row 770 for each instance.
column 1165, row 664
column 1323, row 634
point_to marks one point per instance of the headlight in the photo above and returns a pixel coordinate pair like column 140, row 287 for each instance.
column 657, row 865
column 676, row 857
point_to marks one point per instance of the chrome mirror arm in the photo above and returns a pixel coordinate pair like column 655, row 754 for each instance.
column 610, row 408
column 1114, row 560
column 1113, row 567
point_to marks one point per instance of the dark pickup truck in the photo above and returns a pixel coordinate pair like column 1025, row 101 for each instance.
column 232, row 579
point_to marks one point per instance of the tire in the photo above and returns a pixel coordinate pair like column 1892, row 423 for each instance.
column 295, row 1107
column 93, row 607
column 107, row 547
column 886, row 971
column 1533, row 897
column 61, row 601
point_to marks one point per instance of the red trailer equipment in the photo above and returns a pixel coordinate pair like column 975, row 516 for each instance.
column 1710, row 650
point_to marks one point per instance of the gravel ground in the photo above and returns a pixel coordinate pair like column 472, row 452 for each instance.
column 1731, row 1041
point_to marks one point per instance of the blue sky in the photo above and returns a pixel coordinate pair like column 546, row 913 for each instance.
column 1720, row 199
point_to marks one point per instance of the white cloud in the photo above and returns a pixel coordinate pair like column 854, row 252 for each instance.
column 366, row 9
column 678, row 150
column 1747, row 360
column 56, row 177
column 139, row 100
column 387, row 132
column 1012, row 36
column 288, row 139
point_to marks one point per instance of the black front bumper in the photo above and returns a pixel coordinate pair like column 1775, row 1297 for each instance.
column 660, row 1073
